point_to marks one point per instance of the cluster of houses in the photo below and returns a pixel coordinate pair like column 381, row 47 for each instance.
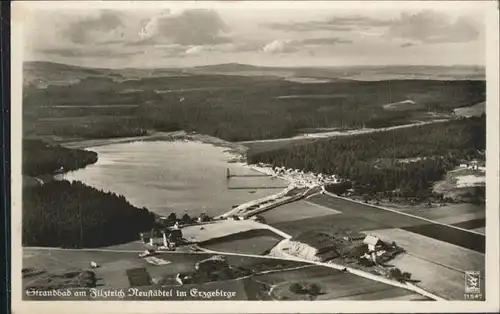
column 308, row 178
column 168, row 233
column 169, row 238
column 472, row 165
column 203, row 269
column 376, row 248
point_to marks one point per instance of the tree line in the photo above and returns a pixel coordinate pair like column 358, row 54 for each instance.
column 72, row 214
column 41, row 158
column 406, row 160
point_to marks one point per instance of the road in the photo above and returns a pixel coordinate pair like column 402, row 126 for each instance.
column 383, row 218
column 357, row 272
column 405, row 214
column 345, row 133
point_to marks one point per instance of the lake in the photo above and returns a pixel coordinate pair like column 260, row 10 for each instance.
column 175, row 177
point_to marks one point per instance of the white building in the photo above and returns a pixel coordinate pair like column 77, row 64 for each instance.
column 372, row 242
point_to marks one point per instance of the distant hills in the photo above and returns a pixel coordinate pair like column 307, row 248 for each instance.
column 41, row 73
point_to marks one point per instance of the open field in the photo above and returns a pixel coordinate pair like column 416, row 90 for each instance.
column 452, row 214
column 296, row 211
column 332, row 224
column 434, row 278
column 471, row 224
column 471, row 111
column 481, row 230
column 445, row 254
column 391, row 219
column 256, row 242
column 334, row 284
column 392, row 294
column 218, row 229
column 113, row 265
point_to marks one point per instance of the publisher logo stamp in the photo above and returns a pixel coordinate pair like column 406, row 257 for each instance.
column 472, row 282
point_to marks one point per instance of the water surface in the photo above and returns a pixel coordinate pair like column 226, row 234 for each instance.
column 176, row 177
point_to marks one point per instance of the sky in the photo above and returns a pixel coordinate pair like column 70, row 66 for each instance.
column 187, row 34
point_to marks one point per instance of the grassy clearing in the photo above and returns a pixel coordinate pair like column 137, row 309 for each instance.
column 453, row 213
column 433, row 250
column 296, row 211
column 436, row 279
column 481, row 230
column 392, row 294
column 334, row 285
column 334, row 224
column 256, row 242
column 218, row 229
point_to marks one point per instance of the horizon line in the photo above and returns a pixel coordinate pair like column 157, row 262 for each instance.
column 260, row 66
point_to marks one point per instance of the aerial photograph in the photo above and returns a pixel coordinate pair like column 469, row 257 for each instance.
column 196, row 151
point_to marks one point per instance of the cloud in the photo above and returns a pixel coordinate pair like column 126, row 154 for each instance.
column 325, row 41
column 196, row 50
column 432, row 27
column 82, row 31
column 286, row 46
column 406, row 45
column 191, row 27
column 280, row 46
column 425, row 26
column 336, row 23
column 72, row 52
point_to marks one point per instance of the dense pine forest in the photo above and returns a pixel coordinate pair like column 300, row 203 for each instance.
column 41, row 158
column 234, row 108
column 64, row 214
column 407, row 160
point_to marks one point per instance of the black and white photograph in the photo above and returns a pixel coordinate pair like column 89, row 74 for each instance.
column 255, row 151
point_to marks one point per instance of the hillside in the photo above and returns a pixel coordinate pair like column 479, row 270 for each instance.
column 72, row 102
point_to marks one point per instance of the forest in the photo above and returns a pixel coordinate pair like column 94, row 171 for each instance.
column 41, row 158
column 74, row 215
column 407, row 160
column 234, row 108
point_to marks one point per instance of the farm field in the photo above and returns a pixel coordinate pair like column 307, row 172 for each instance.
column 338, row 223
column 471, row 224
column 451, row 214
column 394, row 294
column 432, row 250
column 334, row 284
column 113, row 265
column 256, row 242
column 480, row 230
column 219, row 229
column 394, row 220
column 296, row 211
column 440, row 280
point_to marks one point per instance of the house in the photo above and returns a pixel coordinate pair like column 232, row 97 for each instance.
column 156, row 237
column 183, row 278
column 168, row 237
column 203, row 218
column 212, row 264
column 173, row 236
column 372, row 242
column 145, row 237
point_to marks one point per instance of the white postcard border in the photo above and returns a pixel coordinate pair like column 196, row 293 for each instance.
column 20, row 13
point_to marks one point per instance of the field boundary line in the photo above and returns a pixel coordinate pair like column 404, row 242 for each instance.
column 405, row 214
column 353, row 271
column 439, row 264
